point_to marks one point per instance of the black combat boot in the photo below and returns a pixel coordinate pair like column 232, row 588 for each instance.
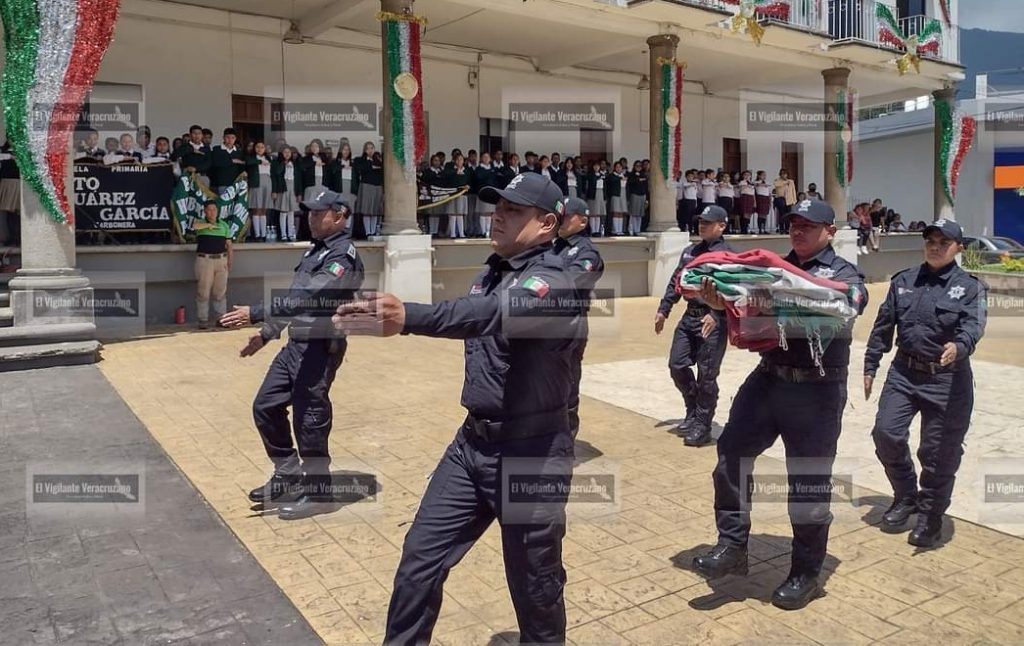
column 896, row 517
column 722, row 560
column 796, row 592
column 927, row 532
column 282, row 487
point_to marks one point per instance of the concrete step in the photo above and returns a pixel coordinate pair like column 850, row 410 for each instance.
column 46, row 334
column 6, row 317
column 48, row 355
column 5, row 277
column 5, row 299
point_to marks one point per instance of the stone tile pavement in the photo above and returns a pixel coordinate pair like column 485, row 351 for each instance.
column 396, row 408
column 159, row 567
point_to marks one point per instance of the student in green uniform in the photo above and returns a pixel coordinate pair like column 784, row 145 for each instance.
column 227, row 162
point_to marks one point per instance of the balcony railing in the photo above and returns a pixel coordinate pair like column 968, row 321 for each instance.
column 803, row 14
column 855, row 20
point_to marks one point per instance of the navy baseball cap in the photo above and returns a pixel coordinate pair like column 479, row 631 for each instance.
column 713, row 213
column 574, row 206
column 948, row 228
column 527, row 189
column 813, row 210
column 326, row 200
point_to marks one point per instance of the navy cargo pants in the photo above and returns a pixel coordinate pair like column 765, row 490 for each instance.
column 574, row 389
column 808, row 417
column 466, row 493
column 945, row 401
column 689, row 349
column 301, row 375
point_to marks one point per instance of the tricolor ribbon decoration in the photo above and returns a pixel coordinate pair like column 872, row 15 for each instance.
column 958, row 131
column 671, row 140
column 914, row 46
column 845, row 117
column 53, row 51
column 405, row 83
column 747, row 15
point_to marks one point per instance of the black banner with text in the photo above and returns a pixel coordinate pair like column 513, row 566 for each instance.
column 124, row 197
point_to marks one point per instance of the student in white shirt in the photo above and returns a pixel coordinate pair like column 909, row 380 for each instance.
column 748, row 203
column 687, row 207
column 726, row 196
column 762, row 201
column 617, row 189
column 261, row 190
column 595, row 197
column 708, row 190
column 572, row 179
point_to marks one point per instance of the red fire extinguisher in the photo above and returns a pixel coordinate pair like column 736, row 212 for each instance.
column 179, row 315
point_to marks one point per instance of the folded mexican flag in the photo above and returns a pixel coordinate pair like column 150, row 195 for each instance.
column 768, row 299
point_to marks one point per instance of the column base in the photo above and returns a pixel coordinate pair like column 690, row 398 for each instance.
column 668, row 247
column 845, row 245
column 53, row 320
column 408, row 267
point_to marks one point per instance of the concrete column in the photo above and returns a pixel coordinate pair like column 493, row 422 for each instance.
column 662, row 196
column 407, row 266
column 399, row 191
column 669, row 241
column 943, row 208
column 836, row 79
column 51, row 300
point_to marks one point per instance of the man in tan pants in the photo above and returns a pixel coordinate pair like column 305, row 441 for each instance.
column 213, row 262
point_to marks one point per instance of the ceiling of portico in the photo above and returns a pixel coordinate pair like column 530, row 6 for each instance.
column 588, row 34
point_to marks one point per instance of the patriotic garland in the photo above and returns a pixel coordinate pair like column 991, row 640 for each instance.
column 748, row 13
column 767, row 300
column 926, row 42
column 957, row 137
column 405, row 83
column 844, row 136
column 944, row 6
column 53, row 51
column 671, row 140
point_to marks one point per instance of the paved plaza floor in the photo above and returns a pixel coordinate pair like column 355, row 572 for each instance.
column 396, row 408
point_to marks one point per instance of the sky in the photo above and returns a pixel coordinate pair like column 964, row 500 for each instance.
column 996, row 15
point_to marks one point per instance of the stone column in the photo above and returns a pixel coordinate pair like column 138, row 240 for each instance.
column 662, row 195
column 942, row 208
column 50, row 299
column 836, row 79
column 407, row 255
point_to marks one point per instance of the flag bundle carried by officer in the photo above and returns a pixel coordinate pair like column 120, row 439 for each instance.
column 190, row 194
column 765, row 297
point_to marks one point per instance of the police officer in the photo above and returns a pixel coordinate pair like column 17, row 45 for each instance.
column 937, row 311
column 303, row 371
column 700, row 337
column 584, row 264
column 788, row 395
column 521, row 343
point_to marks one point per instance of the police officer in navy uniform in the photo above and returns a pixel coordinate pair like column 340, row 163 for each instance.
column 700, row 338
column 303, row 371
column 584, row 264
column 521, row 343
column 788, row 395
column 937, row 311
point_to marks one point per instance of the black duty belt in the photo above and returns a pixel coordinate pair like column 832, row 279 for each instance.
column 930, row 367
column 795, row 375
column 517, row 428
column 697, row 310
column 212, row 256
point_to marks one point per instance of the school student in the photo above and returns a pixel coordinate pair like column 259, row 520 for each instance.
column 341, row 177
column 227, row 162
column 194, row 155
column 762, row 202
column 457, row 177
column 285, row 182
column 261, row 190
column 726, row 197
column 708, row 190
column 434, row 176
column 570, row 179
column 472, row 220
column 785, row 198
column 687, row 207
column 595, row 197
column 748, row 203
column 370, row 199
column 618, row 200
column 636, row 193
column 484, row 176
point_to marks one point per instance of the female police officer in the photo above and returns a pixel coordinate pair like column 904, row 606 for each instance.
column 938, row 313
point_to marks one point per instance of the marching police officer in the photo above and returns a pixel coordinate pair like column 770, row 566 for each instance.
column 584, row 264
column 700, row 338
column 521, row 343
column 303, row 371
column 938, row 312
column 788, row 395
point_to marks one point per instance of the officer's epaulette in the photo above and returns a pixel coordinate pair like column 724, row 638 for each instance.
column 901, row 272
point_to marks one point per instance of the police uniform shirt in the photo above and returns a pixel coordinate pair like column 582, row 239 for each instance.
column 330, row 268
column 582, row 261
column 926, row 310
column 670, row 298
column 520, row 339
column 832, row 267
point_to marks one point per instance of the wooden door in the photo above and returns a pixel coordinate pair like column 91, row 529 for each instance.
column 595, row 145
column 792, row 154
